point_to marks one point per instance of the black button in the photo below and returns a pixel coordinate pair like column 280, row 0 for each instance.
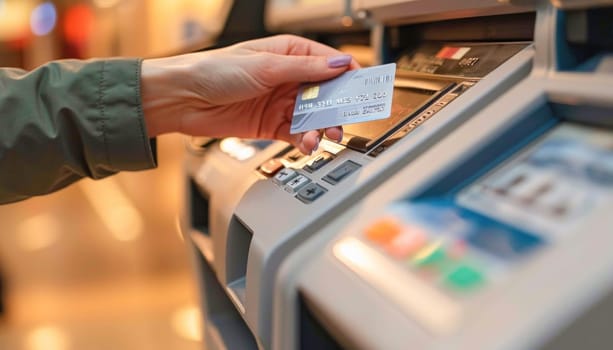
column 340, row 172
column 294, row 155
column 310, row 192
column 317, row 163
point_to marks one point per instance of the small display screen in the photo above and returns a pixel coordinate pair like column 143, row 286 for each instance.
column 564, row 178
column 404, row 103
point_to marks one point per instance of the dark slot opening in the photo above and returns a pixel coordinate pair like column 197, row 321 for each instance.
column 513, row 27
column 222, row 319
column 239, row 239
column 199, row 208
column 313, row 335
column 584, row 38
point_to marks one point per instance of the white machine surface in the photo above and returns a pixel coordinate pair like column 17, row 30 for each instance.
column 251, row 203
column 497, row 237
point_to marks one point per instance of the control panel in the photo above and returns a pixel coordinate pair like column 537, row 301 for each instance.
column 463, row 242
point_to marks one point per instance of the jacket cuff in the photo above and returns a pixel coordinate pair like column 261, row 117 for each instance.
column 126, row 143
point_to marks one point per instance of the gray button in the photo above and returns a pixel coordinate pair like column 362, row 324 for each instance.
column 340, row 172
column 310, row 192
column 284, row 176
column 296, row 183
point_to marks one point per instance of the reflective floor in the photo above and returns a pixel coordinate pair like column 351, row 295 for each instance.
column 100, row 265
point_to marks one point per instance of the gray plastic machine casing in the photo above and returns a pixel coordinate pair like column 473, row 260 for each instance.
column 530, row 309
column 278, row 223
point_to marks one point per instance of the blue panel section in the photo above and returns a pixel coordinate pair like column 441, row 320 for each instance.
column 565, row 57
column 502, row 241
column 444, row 218
column 494, row 151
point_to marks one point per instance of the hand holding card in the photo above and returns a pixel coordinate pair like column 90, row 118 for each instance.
column 353, row 97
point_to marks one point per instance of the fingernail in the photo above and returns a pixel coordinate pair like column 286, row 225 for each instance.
column 340, row 138
column 339, row 61
column 316, row 145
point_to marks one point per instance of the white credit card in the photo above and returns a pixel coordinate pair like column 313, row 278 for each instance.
column 355, row 96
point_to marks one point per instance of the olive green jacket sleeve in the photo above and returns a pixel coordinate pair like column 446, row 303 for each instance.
column 67, row 120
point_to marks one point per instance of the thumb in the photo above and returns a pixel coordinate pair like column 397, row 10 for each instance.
column 296, row 69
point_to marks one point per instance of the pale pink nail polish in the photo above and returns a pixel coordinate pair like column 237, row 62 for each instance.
column 339, row 61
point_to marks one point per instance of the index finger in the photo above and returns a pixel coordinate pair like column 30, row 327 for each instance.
column 287, row 44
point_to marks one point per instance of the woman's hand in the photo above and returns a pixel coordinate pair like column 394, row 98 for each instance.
column 246, row 90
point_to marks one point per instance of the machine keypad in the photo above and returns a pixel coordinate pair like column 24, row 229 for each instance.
column 441, row 261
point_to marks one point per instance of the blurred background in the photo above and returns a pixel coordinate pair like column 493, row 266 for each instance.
column 101, row 264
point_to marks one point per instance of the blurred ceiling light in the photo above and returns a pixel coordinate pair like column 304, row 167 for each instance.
column 187, row 323
column 105, row 4
column 115, row 209
column 47, row 338
column 38, row 232
column 43, row 18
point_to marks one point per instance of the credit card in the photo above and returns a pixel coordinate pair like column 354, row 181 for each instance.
column 355, row 96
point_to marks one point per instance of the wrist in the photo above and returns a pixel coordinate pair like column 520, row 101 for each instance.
column 164, row 95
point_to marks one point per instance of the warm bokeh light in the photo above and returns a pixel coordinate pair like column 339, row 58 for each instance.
column 14, row 20
column 47, row 338
column 236, row 148
column 185, row 23
column 187, row 323
column 347, row 21
column 43, row 19
column 38, row 232
column 115, row 208
column 78, row 24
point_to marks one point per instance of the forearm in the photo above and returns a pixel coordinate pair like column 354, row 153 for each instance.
column 67, row 120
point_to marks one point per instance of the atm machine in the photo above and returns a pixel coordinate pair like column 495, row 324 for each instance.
column 496, row 237
column 250, row 203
